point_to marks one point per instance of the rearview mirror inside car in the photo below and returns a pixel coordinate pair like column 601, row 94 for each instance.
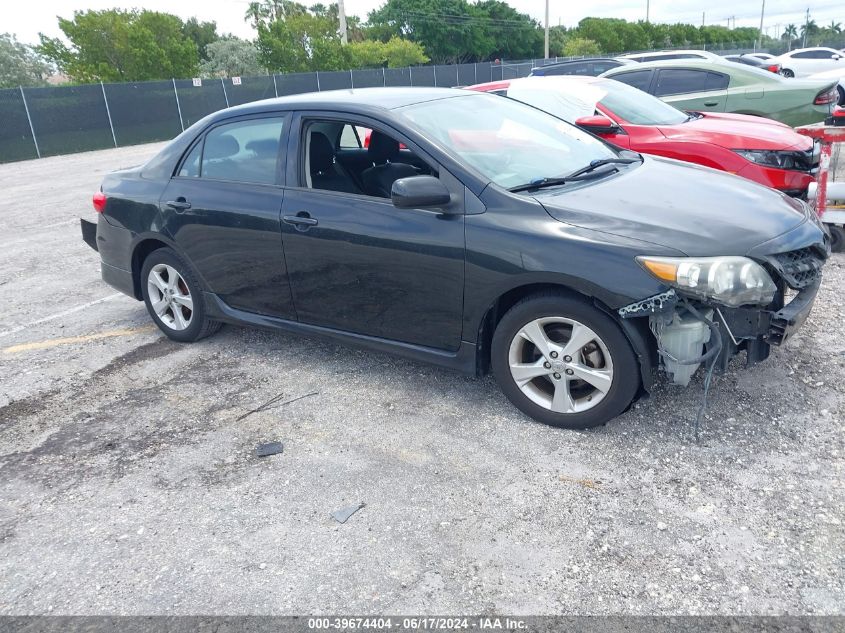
column 417, row 192
column 597, row 124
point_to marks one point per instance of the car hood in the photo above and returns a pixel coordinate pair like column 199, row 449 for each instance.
column 696, row 210
column 737, row 131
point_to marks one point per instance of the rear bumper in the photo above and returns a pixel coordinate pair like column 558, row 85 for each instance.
column 112, row 243
column 118, row 278
column 89, row 233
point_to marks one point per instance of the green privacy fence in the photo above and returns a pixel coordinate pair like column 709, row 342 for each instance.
column 49, row 121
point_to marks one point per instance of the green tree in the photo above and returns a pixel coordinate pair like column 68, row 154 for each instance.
column 558, row 36
column 508, row 33
column 451, row 31
column 118, row 45
column 581, row 47
column 202, row 34
column 231, row 57
column 20, row 65
column 394, row 53
column 301, row 42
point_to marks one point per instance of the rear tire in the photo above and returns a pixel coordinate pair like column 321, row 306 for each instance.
column 786, row 72
column 563, row 362
column 173, row 297
column 841, row 91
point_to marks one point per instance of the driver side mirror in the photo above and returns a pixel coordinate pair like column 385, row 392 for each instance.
column 419, row 192
column 835, row 56
column 598, row 125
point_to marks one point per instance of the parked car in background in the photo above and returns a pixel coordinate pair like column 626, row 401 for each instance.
column 748, row 60
column 834, row 75
column 803, row 62
column 761, row 150
column 719, row 86
column 501, row 238
column 659, row 56
column 590, row 67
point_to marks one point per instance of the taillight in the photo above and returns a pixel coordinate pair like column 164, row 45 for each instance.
column 99, row 201
column 774, row 68
column 824, row 98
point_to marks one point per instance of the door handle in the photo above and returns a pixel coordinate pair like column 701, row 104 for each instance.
column 710, row 104
column 180, row 204
column 302, row 221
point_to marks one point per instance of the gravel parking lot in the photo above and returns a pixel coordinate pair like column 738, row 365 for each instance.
column 129, row 485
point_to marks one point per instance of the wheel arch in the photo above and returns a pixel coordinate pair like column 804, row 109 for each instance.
column 636, row 331
column 145, row 245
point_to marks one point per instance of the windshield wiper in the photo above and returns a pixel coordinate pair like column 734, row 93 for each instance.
column 599, row 163
column 538, row 183
column 578, row 174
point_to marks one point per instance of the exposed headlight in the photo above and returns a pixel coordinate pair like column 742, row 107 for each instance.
column 732, row 281
column 779, row 159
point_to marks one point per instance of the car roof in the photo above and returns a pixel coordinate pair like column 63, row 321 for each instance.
column 704, row 64
column 353, row 100
column 688, row 51
column 552, row 82
column 809, row 48
column 580, row 60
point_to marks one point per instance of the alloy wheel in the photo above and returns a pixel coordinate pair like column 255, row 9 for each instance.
column 560, row 364
column 170, row 297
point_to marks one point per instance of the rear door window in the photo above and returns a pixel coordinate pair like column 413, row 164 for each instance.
column 676, row 81
column 243, row 151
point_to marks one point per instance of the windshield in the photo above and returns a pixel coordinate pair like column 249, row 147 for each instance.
column 640, row 108
column 506, row 141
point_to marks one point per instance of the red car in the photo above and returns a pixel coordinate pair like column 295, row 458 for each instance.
column 759, row 149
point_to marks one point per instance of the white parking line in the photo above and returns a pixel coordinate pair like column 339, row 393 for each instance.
column 59, row 315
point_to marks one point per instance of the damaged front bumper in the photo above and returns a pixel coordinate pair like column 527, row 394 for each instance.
column 756, row 330
column 689, row 333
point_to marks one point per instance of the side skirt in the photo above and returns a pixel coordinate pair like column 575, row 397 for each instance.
column 463, row 360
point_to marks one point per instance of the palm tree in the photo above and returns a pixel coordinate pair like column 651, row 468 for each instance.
column 835, row 27
column 790, row 33
column 809, row 29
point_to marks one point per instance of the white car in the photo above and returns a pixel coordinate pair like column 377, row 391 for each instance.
column 834, row 74
column 804, row 62
column 659, row 56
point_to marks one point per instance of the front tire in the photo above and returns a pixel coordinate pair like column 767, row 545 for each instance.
column 837, row 238
column 173, row 297
column 563, row 362
column 786, row 72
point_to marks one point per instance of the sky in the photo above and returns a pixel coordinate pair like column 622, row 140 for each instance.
column 27, row 20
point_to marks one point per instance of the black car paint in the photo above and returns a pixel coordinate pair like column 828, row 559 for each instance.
column 424, row 283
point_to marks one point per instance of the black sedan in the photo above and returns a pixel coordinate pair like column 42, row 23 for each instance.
column 462, row 229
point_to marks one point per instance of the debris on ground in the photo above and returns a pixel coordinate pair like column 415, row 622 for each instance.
column 271, row 404
column 269, row 448
column 342, row 515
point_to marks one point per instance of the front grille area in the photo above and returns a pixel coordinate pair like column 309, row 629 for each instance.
column 800, row 268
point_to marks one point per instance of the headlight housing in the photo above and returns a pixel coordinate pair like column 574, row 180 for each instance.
column 791, row 159
column 732, row 281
